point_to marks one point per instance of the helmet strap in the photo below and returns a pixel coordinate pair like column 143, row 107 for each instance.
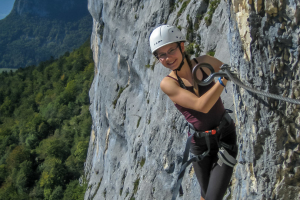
column 181, row 84
column 179, row 68
column 182, row 62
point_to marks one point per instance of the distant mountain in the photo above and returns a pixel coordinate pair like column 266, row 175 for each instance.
column 36, row 30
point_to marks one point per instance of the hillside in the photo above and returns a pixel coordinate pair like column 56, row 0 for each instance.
column 36, row 30
column 45, row 125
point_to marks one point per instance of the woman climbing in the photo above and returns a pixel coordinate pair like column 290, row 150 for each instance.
column 201, row 106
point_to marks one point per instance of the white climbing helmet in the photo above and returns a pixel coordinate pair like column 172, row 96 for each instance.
column 163, row 35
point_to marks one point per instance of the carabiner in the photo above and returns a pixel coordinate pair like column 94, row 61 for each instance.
column 210, row 78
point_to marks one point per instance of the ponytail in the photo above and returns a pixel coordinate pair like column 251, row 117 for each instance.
column 195, row 84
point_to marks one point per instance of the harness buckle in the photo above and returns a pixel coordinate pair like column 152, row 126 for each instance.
column 212, row 132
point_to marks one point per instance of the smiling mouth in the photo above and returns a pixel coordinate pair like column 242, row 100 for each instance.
column 172, row 62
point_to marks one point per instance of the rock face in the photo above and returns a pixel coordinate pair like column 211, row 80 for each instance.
column 264, row 46
column 138, row 136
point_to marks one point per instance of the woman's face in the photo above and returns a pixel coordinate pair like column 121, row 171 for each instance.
column 170, row 55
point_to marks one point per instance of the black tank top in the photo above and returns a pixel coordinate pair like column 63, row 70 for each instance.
column 203, row 121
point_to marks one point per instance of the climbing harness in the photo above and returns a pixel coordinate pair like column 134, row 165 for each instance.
column 226, row 158
column 223, row 155
column 232, row 76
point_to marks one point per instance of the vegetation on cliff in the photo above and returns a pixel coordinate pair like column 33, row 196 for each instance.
column 44, row 128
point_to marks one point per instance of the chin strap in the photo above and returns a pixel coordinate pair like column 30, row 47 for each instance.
column 179, row 68
column 181, row 84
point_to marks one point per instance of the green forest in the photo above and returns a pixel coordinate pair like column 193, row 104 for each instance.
column 45, row 126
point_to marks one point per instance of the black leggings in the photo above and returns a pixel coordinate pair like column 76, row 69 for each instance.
column 213, row 178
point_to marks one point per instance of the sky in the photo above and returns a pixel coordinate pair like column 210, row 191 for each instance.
column 5, row 7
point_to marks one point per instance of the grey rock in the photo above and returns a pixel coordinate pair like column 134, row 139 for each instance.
column 138, row 136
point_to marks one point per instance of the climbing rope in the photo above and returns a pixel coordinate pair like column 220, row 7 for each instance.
column 231, row 76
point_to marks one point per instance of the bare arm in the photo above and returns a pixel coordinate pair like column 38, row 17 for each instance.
column 187, row 99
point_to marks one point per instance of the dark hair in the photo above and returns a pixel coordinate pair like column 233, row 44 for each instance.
column 195, row 84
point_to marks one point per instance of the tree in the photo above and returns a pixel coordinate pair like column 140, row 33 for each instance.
column 74, row 191
column 3, row 173
column 71, row 91
column 6, row 108
column 53, row 147
column 53, row 174
column 58, row 149
column 24, row 177
column 81, row 150
column 58, row 193
column 17, row 156
column 32, row 141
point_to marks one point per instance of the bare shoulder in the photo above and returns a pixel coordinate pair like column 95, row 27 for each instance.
column 207, row 59
column 168, row 85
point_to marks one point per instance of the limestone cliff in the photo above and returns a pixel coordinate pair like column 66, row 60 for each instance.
column 264, row 45
column 138, row 135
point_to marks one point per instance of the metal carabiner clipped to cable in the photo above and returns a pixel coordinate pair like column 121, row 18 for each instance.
column 232, row 76
column 211, row 77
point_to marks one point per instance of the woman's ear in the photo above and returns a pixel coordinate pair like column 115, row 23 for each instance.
column 182, row 46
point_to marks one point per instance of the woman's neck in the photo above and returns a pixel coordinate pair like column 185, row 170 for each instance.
column 185, row 71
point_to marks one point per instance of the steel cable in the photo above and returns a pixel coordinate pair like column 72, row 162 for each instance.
column 227, row 73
